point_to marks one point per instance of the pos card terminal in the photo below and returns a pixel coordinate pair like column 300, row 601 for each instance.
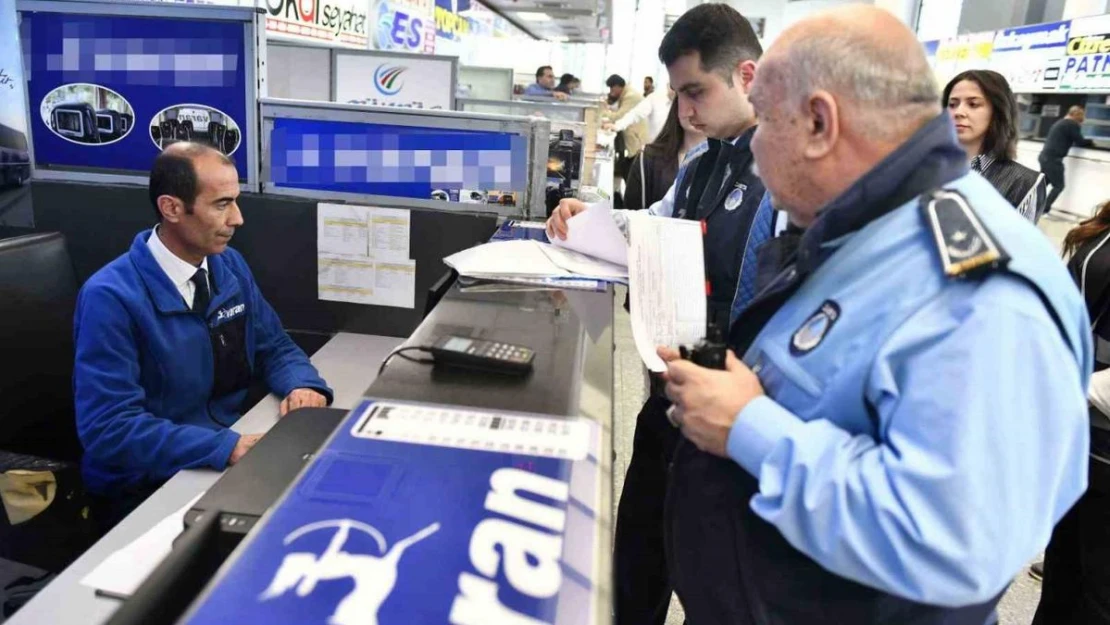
column 492, row 356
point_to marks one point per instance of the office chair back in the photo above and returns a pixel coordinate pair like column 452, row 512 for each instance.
column 38, row 293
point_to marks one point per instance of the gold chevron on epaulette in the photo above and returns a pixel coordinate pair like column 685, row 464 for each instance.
column 966, row 246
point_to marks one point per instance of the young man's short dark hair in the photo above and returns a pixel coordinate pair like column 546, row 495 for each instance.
column 718, row 33
column 540, row 72
column 614, row 81
column 173, row 173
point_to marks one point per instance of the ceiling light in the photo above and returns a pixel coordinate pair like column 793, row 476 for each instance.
column 559, row 39
column 533, row 17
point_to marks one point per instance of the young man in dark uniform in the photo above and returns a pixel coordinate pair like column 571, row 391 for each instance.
column 169, row 337
column 711, row 54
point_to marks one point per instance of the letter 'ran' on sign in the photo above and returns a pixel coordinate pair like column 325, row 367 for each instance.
column 528, row 556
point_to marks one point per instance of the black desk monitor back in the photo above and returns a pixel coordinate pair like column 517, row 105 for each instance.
column 249, row 488
column 223, row 516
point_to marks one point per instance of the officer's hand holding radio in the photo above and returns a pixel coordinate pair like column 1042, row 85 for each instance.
column 707, row 401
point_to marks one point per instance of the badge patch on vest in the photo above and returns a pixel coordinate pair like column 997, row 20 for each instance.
column 735, row 197
column 815, row 328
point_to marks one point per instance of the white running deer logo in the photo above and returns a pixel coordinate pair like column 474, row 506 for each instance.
column 374, row 577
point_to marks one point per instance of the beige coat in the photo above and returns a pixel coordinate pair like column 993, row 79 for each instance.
column 636, row 135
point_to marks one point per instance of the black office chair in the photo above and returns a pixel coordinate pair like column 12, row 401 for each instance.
column 39, row 450
column 38, row 293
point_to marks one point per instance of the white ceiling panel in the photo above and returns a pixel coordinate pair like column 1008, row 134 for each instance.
column 576, row 21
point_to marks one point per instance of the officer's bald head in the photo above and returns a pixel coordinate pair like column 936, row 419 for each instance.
column 836, row 94
column 866, row 58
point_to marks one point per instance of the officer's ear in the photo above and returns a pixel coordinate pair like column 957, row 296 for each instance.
column 822, row 117
column 745, row 73
column 171, row 207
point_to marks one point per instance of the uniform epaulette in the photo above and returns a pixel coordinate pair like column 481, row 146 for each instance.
column 966, row 247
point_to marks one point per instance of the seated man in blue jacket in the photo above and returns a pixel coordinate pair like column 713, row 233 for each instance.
column 169, row 337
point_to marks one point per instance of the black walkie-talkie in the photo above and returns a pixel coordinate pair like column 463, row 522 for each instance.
column 710, row 352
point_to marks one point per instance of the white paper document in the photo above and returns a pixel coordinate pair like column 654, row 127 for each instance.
column 582, row 264
column 342, row 229
column 666, row 284
column 121, row 573
column 528, row 258
column 364, row 281
column 363, row 255
column 594, row 233
column 389, row 234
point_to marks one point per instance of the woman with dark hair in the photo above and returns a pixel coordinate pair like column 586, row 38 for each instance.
column 568, row 84
column 1076, row 567
column 985, row 113
column 653, row 171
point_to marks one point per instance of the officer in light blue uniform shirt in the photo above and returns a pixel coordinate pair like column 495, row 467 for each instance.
column 909, row 419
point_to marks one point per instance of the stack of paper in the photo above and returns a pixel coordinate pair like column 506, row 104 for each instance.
column 594, row 250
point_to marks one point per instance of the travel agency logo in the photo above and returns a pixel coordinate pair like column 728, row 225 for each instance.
column 387, row 78
column 374, row 576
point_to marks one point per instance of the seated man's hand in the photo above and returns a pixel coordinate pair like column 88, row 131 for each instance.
column 607, row 125
column 557, row 223
column 302, row 398
column 707, row 401
column 246, row 442
column 560, row 96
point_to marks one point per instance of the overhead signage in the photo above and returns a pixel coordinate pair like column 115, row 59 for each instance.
column 376, row 79
column 1029, row 57
column 1036, row 37
column 964, row 52
column 108, row 92
column 450, row 22
column 330, row 22
column 1086, row 62
column 429, row 514
column 395, row 161
column 404, row 27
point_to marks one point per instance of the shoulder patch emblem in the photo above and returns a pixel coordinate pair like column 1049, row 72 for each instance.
column 965, row 246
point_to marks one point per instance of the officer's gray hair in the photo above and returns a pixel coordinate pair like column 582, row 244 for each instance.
column 894, row 86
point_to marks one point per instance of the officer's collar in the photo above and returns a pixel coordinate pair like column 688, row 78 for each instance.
column 743, row 141
column 930, row 159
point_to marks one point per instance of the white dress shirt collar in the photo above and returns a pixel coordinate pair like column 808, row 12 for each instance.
column 180, row 272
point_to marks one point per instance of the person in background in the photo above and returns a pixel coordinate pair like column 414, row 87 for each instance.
column 544, row 87
column 653, row 109
column 622, row 99
column 568, row 84
column 1076, row 568
column 649, row 86
column 985, row 113
column 169, row 338
column 1064, row 134
column 909, row 420
column 655, row 169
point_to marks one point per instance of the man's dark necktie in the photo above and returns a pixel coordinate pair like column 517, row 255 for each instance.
column 977, row 164
column 201, row 296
